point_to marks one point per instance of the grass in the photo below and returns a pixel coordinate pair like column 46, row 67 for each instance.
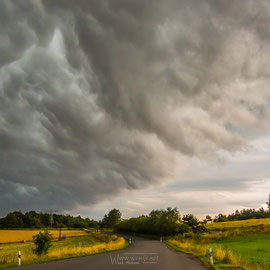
column 70, row 247
column 229, row 225
column 190, row 249
column 254, row 248
column 247, row 252
column 11, row 236
column 236, row 244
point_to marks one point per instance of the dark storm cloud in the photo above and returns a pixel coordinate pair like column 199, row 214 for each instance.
column 101, row 96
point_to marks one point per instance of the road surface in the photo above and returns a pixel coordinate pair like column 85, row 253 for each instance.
column 143, row 254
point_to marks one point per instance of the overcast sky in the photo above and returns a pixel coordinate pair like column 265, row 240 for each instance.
column 134, row 104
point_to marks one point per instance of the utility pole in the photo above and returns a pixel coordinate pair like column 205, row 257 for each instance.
column 51, row 216
column 60, row 229
column 51, row 212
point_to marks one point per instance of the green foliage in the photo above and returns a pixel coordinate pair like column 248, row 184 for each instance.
column 190, row 220
column 42, row 220
column 165, row 222
column 13, row 220
column 184, row 228
column 221, row 218
column 244, row 215
column 42, row 242
column 158, row 222
column 111, row 219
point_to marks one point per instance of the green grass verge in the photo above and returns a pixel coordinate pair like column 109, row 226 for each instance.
column 254, row 248
column 249, row 252
column 206, row 260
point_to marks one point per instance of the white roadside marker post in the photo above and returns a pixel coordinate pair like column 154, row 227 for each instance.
column 19, row 258
column 130, row 240
column 211, row 256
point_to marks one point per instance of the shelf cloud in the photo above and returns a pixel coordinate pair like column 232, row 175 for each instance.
column 98, row 97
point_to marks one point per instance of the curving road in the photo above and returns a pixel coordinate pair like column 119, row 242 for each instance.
column 143, row 254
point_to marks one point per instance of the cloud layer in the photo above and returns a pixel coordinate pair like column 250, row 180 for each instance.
column 100, row 97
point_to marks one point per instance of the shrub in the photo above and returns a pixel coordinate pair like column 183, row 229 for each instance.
column 42, row 242
column 184, row 228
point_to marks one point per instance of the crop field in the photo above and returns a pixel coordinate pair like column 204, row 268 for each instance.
column 217, row 226
column 11, row 236
column 70, row 247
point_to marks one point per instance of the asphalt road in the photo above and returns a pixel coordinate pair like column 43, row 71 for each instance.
column 143, row 254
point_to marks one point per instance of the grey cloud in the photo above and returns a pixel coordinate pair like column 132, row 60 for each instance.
column 101, row 96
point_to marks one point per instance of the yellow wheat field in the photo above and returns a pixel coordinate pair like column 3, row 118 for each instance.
column 11, row 236
column 57, row 252
column 238, row 223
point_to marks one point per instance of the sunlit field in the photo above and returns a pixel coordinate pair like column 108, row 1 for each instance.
column 250, row 252
column 11, row 236
column 254, row 248
column 237, row 224
column 71, row 247
column 240, row 244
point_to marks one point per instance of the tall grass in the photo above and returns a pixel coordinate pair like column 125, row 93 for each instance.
column 220, row 254
column 103, row 237
column 238, row 232
column 67, row 249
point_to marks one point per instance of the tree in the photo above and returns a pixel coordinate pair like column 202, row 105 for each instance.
column 221, row 218
column 91, row 223
column 155, row 221
column 158, row 222
column 170, row 220
column 42, row 242
column 111, row 219
column 40, row 220
column 208, row 218
column 13, row 220
column 184, row 228
column 190, row 220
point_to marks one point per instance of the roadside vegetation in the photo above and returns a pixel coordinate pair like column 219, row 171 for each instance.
column 248, row 252
column 241, row 244
column 89, row 244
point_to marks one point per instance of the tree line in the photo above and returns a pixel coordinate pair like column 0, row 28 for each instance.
column 159, row 222
column 242, row 215
column 33, row 219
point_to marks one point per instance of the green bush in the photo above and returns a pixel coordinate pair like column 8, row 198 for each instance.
column 42, row 242
column 184, row 228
